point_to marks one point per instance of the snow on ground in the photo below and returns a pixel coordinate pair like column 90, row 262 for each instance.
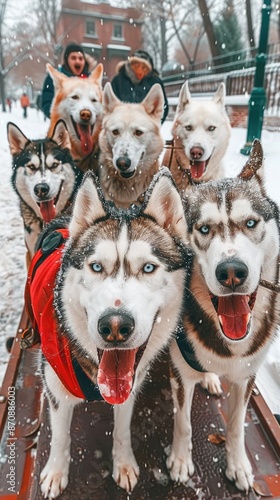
column 12, row 249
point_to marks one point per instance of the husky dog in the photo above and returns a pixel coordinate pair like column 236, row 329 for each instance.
column 105, row 307
column 44, row 177
column 229, row 318
column 78, row 102
column 130, row 144
column 201, row 132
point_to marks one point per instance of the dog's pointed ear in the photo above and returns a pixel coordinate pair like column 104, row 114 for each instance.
column 254, row 166
column 97, row 74
column 88, row 206
column 164, row 204
column 154, row 101
column 60, row 135
column 109, row 99
column 220, row 94
column 56, row 75
column 16, row 139
column 184, row 96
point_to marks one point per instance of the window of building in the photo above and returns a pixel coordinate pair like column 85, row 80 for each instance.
column 90, row 28
column 118, row 31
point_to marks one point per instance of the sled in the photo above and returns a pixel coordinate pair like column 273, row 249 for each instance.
column 26, row 445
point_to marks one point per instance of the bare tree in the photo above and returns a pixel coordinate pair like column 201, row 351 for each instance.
column 208, row 26
column 251, row 36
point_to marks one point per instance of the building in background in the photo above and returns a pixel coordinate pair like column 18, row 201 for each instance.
column 107, row 33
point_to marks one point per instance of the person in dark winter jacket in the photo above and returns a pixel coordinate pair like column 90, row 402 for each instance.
column 135, row 77
column 75, row 63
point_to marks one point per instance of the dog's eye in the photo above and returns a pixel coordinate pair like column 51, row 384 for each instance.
column 94, row 100
column 138, row 133
column 251, row 223
column 75, row 97
column 188, row 128
column 115, row 132
column 97, row 268
column 149, row 268
column 54, row 165
column 31, row 166
column 211, row 128
column 204, row 229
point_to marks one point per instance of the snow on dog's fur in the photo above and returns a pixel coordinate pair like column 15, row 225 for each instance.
column 44, row 177
column 78, row 102
column 201, row 132
column 118, row 295
column 229, row 317
column 130, row 145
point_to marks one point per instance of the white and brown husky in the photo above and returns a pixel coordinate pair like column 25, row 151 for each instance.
column 229, row 317
column 116, row 293
column 44, row 177
column 78, row 102
column 201, row 132
column 130, row 145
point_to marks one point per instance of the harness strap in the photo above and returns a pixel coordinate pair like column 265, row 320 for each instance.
column 187, row 351
column 168, row 155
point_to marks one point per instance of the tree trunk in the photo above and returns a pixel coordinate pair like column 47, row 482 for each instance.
column 250, row 24
column 208, row 26
column 163, row 41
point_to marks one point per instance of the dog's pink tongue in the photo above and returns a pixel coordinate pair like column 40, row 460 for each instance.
column 115, row 375
column 197, row 169
column 47, row 209
column 234, row 314
column 85, row 138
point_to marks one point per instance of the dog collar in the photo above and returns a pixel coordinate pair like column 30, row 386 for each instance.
column 186, row 349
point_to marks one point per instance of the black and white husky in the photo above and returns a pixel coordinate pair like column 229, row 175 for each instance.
column 117, row 295
column 44, row 177
column 229, row 317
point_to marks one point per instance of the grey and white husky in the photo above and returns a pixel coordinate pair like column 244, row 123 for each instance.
column 229, row 317
column 44, row 178
column 116, row 296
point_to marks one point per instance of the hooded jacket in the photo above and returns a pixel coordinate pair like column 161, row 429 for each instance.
column 129, row 89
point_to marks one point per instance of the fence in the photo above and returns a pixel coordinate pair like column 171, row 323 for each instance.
column 237, row 82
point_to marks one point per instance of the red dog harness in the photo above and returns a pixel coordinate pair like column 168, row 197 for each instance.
column 39, row 297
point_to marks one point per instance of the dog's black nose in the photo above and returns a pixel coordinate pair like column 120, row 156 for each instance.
column 231, row 273
column 123, row 163
column 41, row 190
column 116, row 326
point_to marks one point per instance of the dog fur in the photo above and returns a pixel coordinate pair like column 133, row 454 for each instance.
column 229, row 317
column 118, row 294
column 78, row 102
column 130, row 145
column 201, row 132
column 44, row 178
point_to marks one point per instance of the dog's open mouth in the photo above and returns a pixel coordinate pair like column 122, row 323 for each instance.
column 47, row 208
column 198, row 168
column 84, row 133
column 234, row 312
column 116, row 373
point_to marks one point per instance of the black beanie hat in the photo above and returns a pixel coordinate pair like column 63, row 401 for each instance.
column 72, row 47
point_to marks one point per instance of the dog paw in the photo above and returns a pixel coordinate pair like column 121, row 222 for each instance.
column 212, row 384
column 53, row 482
column 126, row 474
column 181, row 469
column 241, row 475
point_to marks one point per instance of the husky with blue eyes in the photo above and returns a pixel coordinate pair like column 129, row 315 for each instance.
column 230, row 315
column 104, row 293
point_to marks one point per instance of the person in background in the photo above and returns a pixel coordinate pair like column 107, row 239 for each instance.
column 9, row 103
column 135, row 77
column 75, row 63
column 24, row 101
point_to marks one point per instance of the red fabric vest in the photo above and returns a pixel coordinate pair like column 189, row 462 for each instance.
column 39, row 296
